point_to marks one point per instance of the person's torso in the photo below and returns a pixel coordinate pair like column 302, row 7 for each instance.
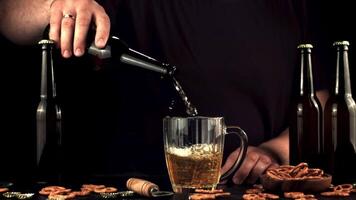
column 234, row 59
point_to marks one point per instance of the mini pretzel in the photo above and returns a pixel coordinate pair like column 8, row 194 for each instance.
column 3, row 189
column 312, row 177
column 92, row 186
column 286, row 167
column 273, row 174
column 301, row 173
column 253, row 191
column 284, row 175
column 335, row 194
column 308, row 196
column 299, row 170
column 86, row 189
column 293, row 195
column 208, row 194
column 61, row 191
column 315, row 172
column 61, row 196
column 222, row 194
column 343, row 188
column 51, row 189
column 105, row 190
column 199, row 196
column 328, row 194
column 268, row 196
column 82, row 193
column 213, row 191
column 252, row 197
column 342, row 194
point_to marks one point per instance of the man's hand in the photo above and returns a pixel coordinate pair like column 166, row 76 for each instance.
column 70, row 32
column 256, row 162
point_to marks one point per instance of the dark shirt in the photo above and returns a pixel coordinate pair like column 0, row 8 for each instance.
column 234, row 59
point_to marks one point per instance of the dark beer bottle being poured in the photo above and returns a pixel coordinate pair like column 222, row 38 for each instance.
column 48, row 120
column 340, row 122
column 306, row 115
column 117, row 49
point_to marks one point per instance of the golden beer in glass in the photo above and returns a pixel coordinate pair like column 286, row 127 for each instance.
column 194, row 151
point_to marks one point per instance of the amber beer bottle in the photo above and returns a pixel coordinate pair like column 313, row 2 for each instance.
column 48, row 120
column 306, row 114
column 340, row 122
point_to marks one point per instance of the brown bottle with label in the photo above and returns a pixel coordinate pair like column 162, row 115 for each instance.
column 306, row 115
column 340, row 122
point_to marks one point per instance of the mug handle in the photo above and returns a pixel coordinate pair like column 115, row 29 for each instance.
column 243, row 138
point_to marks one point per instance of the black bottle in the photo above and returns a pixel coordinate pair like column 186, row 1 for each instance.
column 118, row 50
column 340, row 122
column 49, row 121
column 306, row 115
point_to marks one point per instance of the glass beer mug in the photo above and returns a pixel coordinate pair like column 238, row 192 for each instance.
column 194, row 149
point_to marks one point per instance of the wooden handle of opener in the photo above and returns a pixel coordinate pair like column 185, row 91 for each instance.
column 142, row 187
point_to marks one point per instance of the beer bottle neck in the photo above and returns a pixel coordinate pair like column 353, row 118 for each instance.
column 306, row 86
column 48, row 88
column 342, row 81
column 118, row 50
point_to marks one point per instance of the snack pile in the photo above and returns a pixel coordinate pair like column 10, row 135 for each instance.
column 299, row 172
column 201, row 194
column 62, row 193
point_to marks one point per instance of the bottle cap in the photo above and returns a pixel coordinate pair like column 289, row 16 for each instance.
column 46, row 42
column 25, row 195
column 341, row 43
column 10, row 195
column 111, row 195
column 305, row 46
